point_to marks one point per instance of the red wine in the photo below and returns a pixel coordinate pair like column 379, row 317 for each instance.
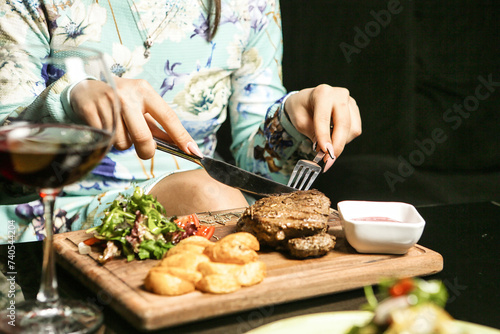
column 50, row 155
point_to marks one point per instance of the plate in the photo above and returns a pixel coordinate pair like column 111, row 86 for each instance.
column 340, row 323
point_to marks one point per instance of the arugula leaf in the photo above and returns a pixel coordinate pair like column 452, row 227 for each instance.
column 153, row 249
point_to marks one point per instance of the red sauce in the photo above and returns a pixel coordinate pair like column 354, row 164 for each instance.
column 377, row 219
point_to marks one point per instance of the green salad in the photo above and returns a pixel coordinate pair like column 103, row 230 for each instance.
column 410, row 306
column 136, row 226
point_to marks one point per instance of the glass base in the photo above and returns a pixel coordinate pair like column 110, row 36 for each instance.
column 64, row 316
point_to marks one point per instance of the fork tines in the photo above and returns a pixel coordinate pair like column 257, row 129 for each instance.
column 305, row 172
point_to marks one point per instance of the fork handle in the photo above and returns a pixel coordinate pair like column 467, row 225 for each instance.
column 319, row 156
column 172, row 149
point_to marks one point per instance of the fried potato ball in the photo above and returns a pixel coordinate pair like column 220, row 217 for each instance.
column 251, row 273
column 218, row 284
column 241, row 238
column 186, row 260
column 182, row 248
column 239, row 248
column 159, row 281
column 192, row 276
column 246, row 274
column 218, row 268
column 195, row 239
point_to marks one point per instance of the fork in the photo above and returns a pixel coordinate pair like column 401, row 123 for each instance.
column 305, row 172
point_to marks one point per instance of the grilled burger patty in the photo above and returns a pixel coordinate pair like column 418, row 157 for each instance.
column 276, row 219
column 311, row 246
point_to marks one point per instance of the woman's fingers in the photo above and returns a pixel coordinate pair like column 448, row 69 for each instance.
column 330, row 108
column 158, row 109
column 327, row 115
column 341, row 120
column 142, row 110
column 156, row 130
column 134, row 121
column 122, row 140
column 108, row 110
column 356, row 124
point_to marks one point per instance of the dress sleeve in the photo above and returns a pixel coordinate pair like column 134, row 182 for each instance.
column 40, row 92
column 264, row 139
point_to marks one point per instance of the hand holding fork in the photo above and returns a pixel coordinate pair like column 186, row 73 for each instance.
column 309, row 110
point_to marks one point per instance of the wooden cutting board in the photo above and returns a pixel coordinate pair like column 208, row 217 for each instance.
column 287, row 279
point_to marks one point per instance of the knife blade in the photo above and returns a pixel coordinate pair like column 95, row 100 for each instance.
column 228, row 174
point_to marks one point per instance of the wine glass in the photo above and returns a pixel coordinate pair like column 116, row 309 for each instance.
column 48, row 154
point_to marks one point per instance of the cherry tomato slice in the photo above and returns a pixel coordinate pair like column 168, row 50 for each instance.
column 91, row 241
column 183, row 221
column 401, row 287
column 205, row 231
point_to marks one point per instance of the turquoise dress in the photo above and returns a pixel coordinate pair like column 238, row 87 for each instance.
column 238, row 74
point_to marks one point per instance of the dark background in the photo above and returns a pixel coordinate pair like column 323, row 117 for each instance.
column 408, row 64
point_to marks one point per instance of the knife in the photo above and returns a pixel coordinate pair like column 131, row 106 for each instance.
column 228, row 174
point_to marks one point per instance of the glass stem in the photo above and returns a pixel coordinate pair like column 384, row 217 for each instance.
column 48, row 287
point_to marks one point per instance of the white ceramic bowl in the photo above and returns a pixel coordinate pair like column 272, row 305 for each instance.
column 381, row 227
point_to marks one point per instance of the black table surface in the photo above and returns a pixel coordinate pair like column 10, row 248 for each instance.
column 466, row 235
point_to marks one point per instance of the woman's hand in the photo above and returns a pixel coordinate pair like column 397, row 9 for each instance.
column 313, row 110
column 141, row 107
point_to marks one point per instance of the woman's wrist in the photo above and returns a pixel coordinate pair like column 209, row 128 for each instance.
column 284, row 101
column 285, row 120
column 66, row 100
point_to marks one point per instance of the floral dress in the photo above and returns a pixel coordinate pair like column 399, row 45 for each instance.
column 237, row 72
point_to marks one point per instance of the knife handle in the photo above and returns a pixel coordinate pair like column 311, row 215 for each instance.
column 169, row 148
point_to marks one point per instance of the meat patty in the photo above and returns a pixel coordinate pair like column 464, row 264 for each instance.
column 312, row 246
column 276, row 219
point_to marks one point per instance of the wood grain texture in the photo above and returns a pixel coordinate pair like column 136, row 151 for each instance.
column 121, row 282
